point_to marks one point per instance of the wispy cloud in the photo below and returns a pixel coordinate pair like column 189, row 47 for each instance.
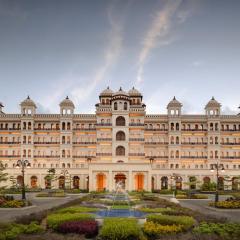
column 111, row 54
column 158, row 31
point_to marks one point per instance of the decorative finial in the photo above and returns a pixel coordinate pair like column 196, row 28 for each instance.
column 67, row 97
column 133, row 88
column 108, row 87
column 174, row 98
column 213, row 98
column 28, row 97
column 120, row 89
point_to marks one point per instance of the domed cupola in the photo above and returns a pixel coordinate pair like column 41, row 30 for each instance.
column 106, row 93
column 120, row 94
column 134, row 93
column 1, row 107
column 213, row 107
column 66, row 106
column 28, row 106
column 174, row 107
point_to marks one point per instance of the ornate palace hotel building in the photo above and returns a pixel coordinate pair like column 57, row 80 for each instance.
column 120, row 142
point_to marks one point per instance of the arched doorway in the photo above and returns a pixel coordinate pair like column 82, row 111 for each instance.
column 120, row 178
column 164, row 182
column 235, row 183
column 101, row 182
column 139, row 182
column 61, row 182
column 76, row 182
column 120, row 121
column 178, row 183
column 20, row 181
column 33, row 182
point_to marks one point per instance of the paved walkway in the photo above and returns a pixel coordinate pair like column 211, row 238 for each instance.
column 39, row 204
column 201, row 206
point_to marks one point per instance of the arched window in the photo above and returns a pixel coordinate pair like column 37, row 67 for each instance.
column 125, row 105
column 172, row 126
column 68, row 126
column 177, row 140
column 177, row 126
column 63, row 126
column 115, row 106
column 120, row 121
column 120, row 151
column 120, row 136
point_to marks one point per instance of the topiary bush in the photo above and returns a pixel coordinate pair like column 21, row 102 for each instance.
column 89, row 228
column 154, row 230
column 54, row 220
column 120, row 228
column 185, row 221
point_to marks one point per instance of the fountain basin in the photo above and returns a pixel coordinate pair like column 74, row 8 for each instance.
column 120, row 213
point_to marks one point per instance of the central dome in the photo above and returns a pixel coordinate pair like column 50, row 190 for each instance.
column 120, row 92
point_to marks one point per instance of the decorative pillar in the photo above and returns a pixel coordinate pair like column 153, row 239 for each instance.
column 110, row 181
column 149, row 181
column 130, row 182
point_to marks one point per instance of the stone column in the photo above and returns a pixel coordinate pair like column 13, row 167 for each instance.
column 110, row 181
column 149, row 181
column 91, row 179
column 130, row 182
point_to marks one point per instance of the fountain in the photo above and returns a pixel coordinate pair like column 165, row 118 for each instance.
column 120, row 195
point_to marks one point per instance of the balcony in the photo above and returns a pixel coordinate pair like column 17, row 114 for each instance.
column 103, row 124
column 230, row 130
column 229, row 144
column 194, row 130
column 156, row 143
column 83, row 156
column 47, row 156
column 137, row 154
column 156, row 129
column 163, row 157
column 194, row 143
column 84, row 129
column 10, row 156
column 136, row 124
column 231, row 157
column 48, row 143
column 104, row 139
column 46, row 129
column 10, row 142
column 85, row 143
column 104, row 154
column 136, row 139
column 195, row 157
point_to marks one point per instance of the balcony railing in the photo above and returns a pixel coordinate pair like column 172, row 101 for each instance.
column 230, row 130
column 156, row 156
column 136, row 124
column 104, row 124
column 230, row 143
column 104, row 154
column 10, row 156
column 194, row 143
column 104, row 139
column 84, row 129
column 136, row 139
column 10, row 142
column 196, row 157
column 156, row 129
column 137, row 154
column 84, row 156
column 155, row 143
column 47, row 129
column 84, row 142
column 194, row 130
column 46, row 156
column 46, row 142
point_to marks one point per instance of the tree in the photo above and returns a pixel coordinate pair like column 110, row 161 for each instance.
column 50, row 177
column 3, row 177
column 13, row 180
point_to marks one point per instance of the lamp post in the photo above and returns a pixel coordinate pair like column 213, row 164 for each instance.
column 64, row 172
column 23, row 164
column 217, row 167
column 175, row 177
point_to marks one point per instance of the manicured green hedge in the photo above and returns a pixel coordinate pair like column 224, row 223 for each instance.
column 54, row 220
column 227, row 231
column 235, row 204
column 185, row 221
column 77, row 210
column 120, row 229
column 155, row 210
column 120, row 207
column 12, row 231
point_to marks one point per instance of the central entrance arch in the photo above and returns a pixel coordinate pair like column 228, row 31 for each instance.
column 120, row 178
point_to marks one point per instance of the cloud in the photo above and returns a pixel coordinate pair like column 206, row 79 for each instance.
column 111, row 54
column 159, row 32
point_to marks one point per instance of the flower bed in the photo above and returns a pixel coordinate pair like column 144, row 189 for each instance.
column 186, row 222
column 13, row 203
column 54, row 220
column 120, row 228
column 89, row 228
column 12, row 231
column 193, row 196
column 224, row 230
column 234, row 204
column 155, row 210
column 154, row 230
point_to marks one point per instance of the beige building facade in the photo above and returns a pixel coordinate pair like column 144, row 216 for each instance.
column 120, row 142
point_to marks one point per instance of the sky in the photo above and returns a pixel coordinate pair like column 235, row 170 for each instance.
column 184, row 48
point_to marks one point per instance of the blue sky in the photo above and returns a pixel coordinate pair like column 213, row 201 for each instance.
column 184, row 48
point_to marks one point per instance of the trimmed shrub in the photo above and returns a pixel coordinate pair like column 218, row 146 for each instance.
column 224, row 230
column 234, row 204
column 155, row 210
column 89, row 228
column 120, row 228
column 12, row 231
column 154, row 230
column 12, row 204
column 77, row 210
column 54, row 220
column 185, row 221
